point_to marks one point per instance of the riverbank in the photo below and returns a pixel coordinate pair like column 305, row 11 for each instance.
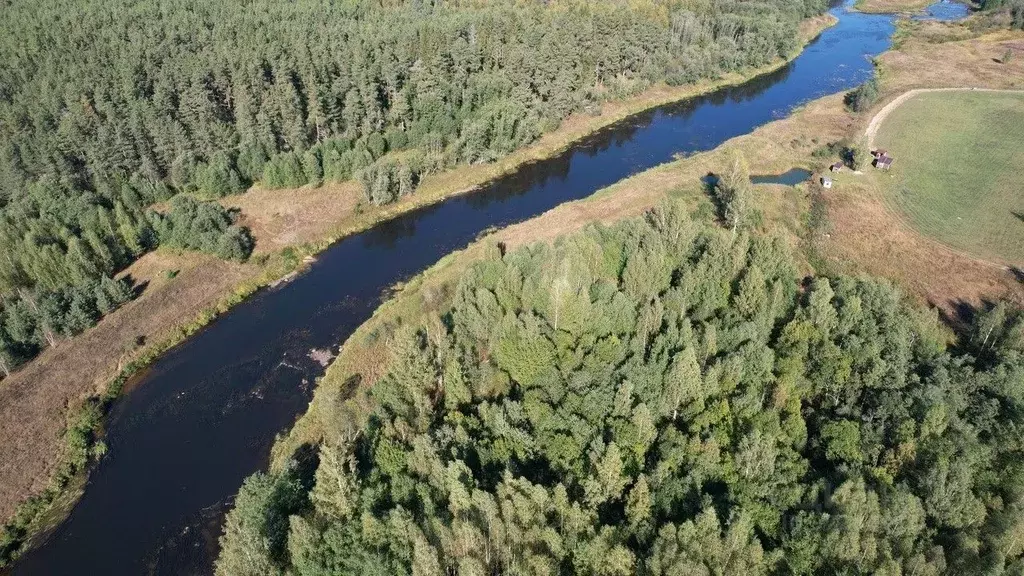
column 352, row 215
column 845, row 230
column 183, row 292
column 861, row 235
column 892, row 6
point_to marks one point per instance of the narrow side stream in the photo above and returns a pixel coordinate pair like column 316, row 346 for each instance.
column 945, row 11
column 206, row 414
column 791, row 177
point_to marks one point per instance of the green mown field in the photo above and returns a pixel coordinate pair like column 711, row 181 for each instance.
column 959, row 170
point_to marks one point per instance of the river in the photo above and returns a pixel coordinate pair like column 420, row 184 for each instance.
column 205, row 415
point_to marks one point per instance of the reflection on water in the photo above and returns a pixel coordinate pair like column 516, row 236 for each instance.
column 204, row 417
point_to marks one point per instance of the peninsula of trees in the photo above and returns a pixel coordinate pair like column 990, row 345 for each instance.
column 660, row 398
column 109, row 107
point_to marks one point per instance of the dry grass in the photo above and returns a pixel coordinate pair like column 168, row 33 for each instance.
column 972, row 62
column 893, row 6
column 35, row 401
column 282, row 218
column 867, row 237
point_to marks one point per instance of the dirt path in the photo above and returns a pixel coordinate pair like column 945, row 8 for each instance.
column 884, row 113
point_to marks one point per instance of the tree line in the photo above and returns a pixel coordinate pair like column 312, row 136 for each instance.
column 57, row 268
column 659, row 398
column 205, row 94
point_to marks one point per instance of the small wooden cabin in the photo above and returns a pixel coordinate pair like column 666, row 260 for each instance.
column 837, row 167
column 883, row 162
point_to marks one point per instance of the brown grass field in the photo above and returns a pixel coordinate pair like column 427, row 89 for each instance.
column 892, row 6
column 36, row 400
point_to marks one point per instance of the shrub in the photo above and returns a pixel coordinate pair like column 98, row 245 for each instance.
column 863, row 97
column 203, row 226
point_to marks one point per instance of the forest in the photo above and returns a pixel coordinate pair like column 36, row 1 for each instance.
column 109, row 108
column 1015, row 8
column 660, row 397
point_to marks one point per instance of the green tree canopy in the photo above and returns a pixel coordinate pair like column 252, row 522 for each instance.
column 686, row 426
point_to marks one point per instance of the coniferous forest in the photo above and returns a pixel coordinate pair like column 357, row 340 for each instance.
column 661, row 398
column 108, row 107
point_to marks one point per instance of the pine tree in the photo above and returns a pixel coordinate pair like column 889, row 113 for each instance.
column 312, row 167
column 111, row 294
column 129, row 230
column 81, row 313
column 639, row 507
column 219, row 177
column 80, row 262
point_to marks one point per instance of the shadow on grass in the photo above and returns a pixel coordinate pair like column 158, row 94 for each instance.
column 710, row 182
column 138, row 288
column 1018, row 273
column 1018, row 215
column 962, row 314
column 959, row 315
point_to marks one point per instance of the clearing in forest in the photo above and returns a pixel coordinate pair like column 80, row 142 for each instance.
column 958, row 175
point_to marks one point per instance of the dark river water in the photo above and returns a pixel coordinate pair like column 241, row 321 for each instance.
column 204, row 417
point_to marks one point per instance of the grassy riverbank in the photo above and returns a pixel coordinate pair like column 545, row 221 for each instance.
column 44, row 456
column 892, row 6
column 468, row 178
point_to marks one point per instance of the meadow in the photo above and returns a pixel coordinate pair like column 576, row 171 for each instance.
column 957, row 177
